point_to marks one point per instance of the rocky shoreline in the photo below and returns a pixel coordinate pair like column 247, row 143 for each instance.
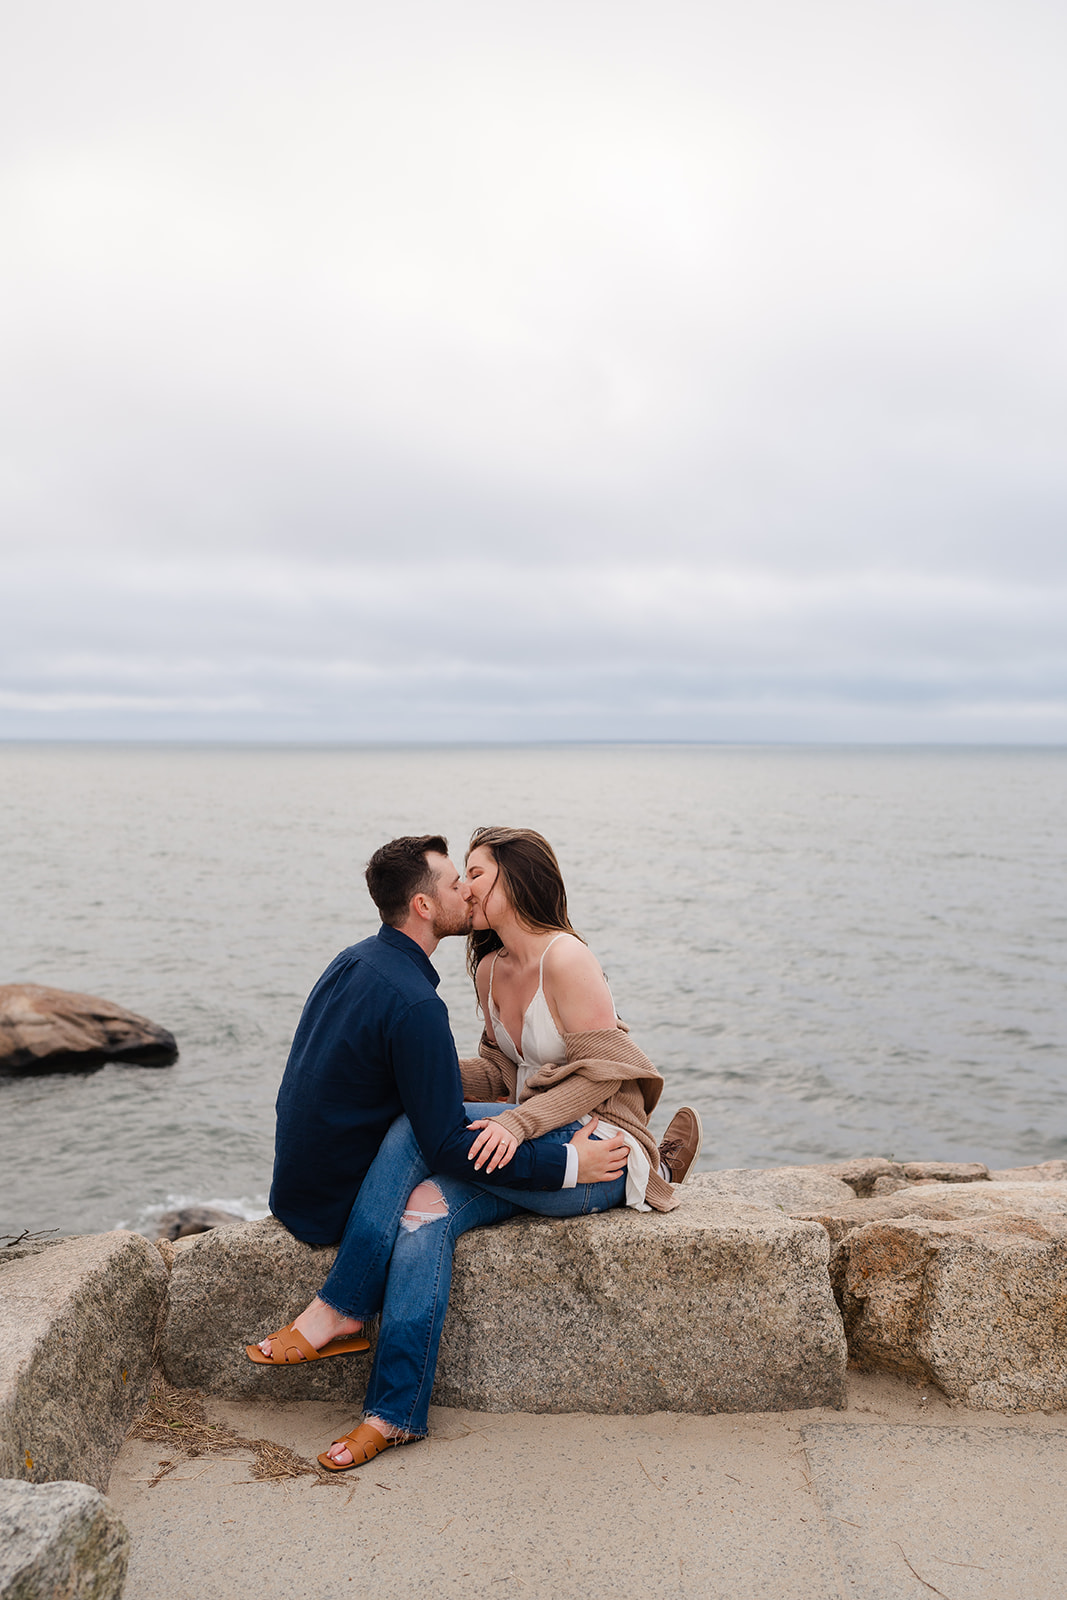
column 752, row 1296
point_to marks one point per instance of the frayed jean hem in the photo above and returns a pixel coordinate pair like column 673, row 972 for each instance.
column 405, row 1427
column 342, row 1311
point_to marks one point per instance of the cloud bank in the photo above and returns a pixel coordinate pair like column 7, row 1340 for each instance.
column 578, row 372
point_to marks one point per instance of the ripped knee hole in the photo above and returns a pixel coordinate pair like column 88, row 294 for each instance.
column 425, row 1204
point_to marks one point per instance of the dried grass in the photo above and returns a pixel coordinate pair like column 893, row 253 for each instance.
column 176, row 1417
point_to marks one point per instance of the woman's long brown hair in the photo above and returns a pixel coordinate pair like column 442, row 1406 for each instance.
column 529, row 873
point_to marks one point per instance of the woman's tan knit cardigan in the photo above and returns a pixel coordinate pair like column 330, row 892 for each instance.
column 604, row 1073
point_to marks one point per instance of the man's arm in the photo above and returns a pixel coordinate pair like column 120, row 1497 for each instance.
column 427, row 1075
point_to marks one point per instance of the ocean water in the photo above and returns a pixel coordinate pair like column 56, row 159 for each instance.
column 830, row 951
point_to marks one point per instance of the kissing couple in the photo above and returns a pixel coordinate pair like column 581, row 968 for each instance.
column 391, row 1147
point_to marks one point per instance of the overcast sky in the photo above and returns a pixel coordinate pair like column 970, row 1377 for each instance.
column 643, row 369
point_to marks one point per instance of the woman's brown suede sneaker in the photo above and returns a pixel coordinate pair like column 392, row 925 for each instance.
column 681, row 1143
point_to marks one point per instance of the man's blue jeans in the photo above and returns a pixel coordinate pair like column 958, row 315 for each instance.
column 407, row 1276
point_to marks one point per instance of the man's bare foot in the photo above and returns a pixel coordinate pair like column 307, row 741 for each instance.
column 319, row 1324
column 340, row 1452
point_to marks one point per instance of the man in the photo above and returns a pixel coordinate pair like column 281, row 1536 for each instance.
column 374, row 1041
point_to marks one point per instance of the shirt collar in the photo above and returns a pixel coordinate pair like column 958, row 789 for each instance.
column 400, row 941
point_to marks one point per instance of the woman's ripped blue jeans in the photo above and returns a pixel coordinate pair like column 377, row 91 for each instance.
column 405, row 1272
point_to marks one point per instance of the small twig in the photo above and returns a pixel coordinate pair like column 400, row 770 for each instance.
column 851, row 1525
column 914, row 1574
column 193, row 1476
column 10, row 1240
column 657, row 1486
column 968, row 1564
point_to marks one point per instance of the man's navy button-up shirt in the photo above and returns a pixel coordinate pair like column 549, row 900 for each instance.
column 374, row 1041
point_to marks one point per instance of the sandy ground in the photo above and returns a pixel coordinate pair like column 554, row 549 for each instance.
column 899, row 1497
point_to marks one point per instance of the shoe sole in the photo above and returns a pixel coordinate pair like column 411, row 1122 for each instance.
column 696, row 1153
column 336, row 1347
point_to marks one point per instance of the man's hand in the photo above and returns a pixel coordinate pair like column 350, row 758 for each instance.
column 599, row 1160
column 494, row 1141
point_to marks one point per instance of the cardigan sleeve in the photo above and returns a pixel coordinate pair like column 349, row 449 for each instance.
column 575, row 1097
column 483, row 1075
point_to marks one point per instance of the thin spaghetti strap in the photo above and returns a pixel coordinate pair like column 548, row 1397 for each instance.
column 489, row 996
column 541, row 969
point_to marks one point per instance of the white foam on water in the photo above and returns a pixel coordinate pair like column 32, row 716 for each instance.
column 251, row 1210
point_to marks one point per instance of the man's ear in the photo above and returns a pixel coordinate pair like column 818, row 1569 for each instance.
column 422, row 906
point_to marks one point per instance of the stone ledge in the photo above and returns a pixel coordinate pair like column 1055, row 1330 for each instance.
column 782, row 1189
column 717, row 1306
column 77, row 1328
column 959, row 1284
column 232, row 1286
column 977, row 1306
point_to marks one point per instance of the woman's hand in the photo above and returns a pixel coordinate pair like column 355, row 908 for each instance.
column 493, row 1142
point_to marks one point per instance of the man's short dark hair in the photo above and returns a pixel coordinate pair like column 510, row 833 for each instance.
column 399, row 870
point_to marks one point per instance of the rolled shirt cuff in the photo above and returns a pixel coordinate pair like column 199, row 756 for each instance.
column 570, row 1177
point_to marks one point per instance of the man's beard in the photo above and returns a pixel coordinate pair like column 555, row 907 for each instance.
column 445, row 924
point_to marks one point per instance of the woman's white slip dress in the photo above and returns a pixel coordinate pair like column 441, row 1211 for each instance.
column 541, row 1045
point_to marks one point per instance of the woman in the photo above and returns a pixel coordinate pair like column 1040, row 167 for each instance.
column 554, row 1049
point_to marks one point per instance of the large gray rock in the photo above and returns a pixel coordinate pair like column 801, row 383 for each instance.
column 60, row 1541
column 785, row 1189
column 861, row 1173
column 232, row 1286
column 717, row 1306
column 943, row 1202
column 77, row 1326
column 801, row 1190
column 958, row 1283
column 56, row 1030
column 1044, row 1172
column 977, row 1306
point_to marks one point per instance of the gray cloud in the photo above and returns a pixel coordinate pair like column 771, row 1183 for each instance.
column 641, row 372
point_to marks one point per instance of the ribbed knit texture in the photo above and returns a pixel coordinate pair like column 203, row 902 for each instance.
column 605, row 1074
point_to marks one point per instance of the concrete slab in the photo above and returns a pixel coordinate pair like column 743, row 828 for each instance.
column 664, row 1505
column 667, row 1506
column 972, row 1513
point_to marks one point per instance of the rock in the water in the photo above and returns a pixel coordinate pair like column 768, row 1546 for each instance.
column 56, row 1030
column 717, row 1306
column 193, row 1219
column 60, row 1541
column 77, row 1326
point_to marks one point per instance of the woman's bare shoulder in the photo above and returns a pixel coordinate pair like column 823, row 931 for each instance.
column 576, row 988
column 570, row 955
